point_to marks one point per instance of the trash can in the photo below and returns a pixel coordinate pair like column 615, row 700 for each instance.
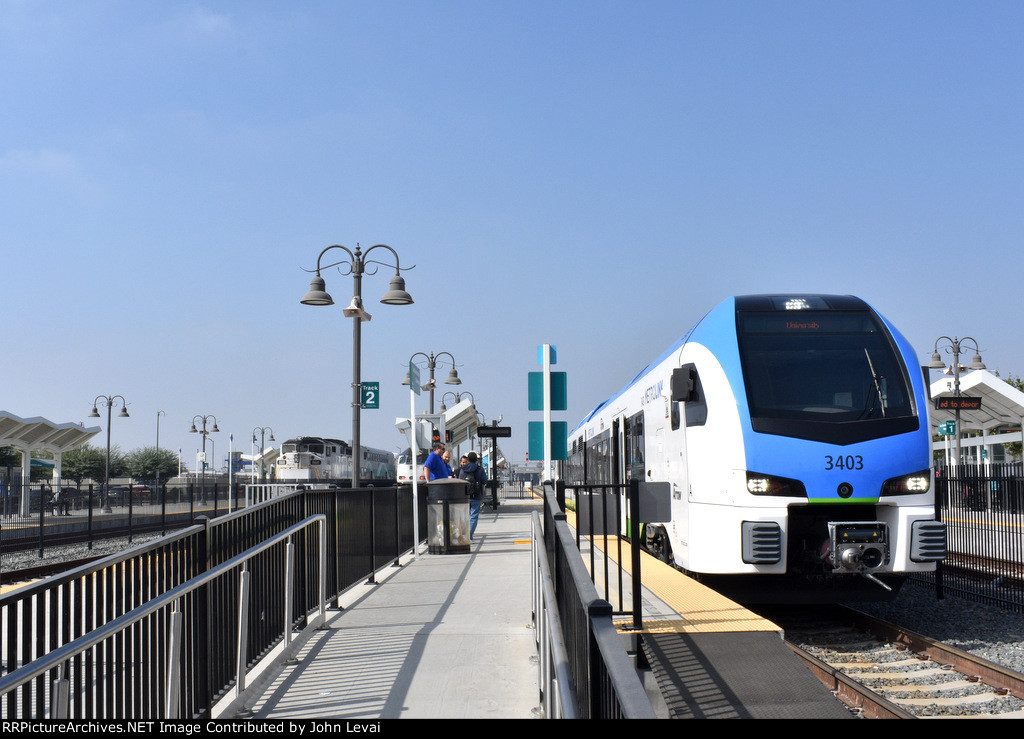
column 448, row 516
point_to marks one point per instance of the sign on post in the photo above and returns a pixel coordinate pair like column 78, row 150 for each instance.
column 559, row 440
column 370, row 395
column 414, row 377
column 962, row 403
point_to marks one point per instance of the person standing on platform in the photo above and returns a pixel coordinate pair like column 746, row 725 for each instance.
column 435, row 468
column 474, row 474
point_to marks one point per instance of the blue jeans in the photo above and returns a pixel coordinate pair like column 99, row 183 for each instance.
column 474, row 514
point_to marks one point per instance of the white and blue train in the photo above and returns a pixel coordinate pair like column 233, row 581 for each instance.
column 794, row 432
column 318, row 459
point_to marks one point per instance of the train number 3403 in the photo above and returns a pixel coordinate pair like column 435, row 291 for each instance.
column 849, row 462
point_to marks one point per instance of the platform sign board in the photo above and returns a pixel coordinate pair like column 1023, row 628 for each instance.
column 370, row 395
column 559, row 395
column 947, row 428
column 559, row 440
column 955, row 403
column 494, row 432
column 414, row 377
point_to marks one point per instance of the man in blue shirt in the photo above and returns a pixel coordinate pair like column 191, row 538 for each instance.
column 435, row 468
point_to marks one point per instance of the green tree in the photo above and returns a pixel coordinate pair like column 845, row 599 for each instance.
column 145, row 462
column 89, row 462
column 9, row 457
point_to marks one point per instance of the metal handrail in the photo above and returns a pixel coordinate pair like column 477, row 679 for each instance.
column 38, row 667
column 606, row 681
column 559, row 691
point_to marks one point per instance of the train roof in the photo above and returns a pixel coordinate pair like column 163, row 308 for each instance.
column 327, row 440
column 308, row 439
column 766, row 302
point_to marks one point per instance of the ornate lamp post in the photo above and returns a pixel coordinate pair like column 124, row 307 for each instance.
column 262, row 431
column 458, row 399
column 109, row 400
column 396, row 295
column 453, row 376
column 205, row 433
column 953, row 346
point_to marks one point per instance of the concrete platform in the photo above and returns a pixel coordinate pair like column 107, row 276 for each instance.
column 441, row 636
column 713, row 658
column 450, row 636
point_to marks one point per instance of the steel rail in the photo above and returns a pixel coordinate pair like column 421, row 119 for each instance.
column 869, row 703
column 988, row 672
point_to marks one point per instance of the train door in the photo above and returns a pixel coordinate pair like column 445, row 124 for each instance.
column 688, row 412
column 616, row 478
column 633, row 443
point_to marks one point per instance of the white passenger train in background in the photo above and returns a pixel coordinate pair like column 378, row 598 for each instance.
column 794, row 432
column 317, row 459
column 406, row 469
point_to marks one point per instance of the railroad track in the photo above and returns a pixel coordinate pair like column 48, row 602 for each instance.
column 28, row 574
column 883, row 671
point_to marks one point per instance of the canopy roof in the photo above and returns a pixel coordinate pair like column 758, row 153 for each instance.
column 38, row 433
column 461, row 420
column 1001, row 403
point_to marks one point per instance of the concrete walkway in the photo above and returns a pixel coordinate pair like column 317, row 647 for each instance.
column 442, row 636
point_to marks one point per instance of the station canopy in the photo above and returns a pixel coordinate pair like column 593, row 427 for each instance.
column 1001, row 405
column 38, row 433
column 461, row 421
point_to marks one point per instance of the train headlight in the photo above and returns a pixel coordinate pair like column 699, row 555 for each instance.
column 918, row 482
column 758, row 484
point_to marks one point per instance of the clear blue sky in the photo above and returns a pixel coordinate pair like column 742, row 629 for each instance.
column 594, row 175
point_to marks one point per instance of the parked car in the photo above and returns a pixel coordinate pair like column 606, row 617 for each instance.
column 117, row 495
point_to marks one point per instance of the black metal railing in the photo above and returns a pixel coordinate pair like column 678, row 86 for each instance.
column 41, row 618
column 514, row 490
column 608, row 535
column 604, row 680
column 983, row 509
column 75, row 513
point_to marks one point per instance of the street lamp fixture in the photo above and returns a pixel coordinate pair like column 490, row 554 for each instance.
column 431, row 384
column 954, row 346
column 204, row 420
column 262, row 431
column 356, row 264
column 458, row 399
column 109, row 401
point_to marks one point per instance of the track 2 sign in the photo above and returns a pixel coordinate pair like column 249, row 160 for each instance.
column 370, row 395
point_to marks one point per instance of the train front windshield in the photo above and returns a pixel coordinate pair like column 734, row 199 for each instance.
column 826, row 375
column 406, row 457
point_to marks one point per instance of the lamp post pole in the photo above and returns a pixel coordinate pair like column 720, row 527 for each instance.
column 954, row 347
column 396, row 295
column 163, row 497
column 262, row 431
column 205, row 433
column 109, row 401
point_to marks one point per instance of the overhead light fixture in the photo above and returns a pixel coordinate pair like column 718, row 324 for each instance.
column 317, row 294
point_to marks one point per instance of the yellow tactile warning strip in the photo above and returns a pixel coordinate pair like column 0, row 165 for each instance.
column 11, row 587
column 701, row 609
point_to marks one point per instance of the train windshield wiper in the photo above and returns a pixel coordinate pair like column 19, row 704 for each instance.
column 876, row 380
